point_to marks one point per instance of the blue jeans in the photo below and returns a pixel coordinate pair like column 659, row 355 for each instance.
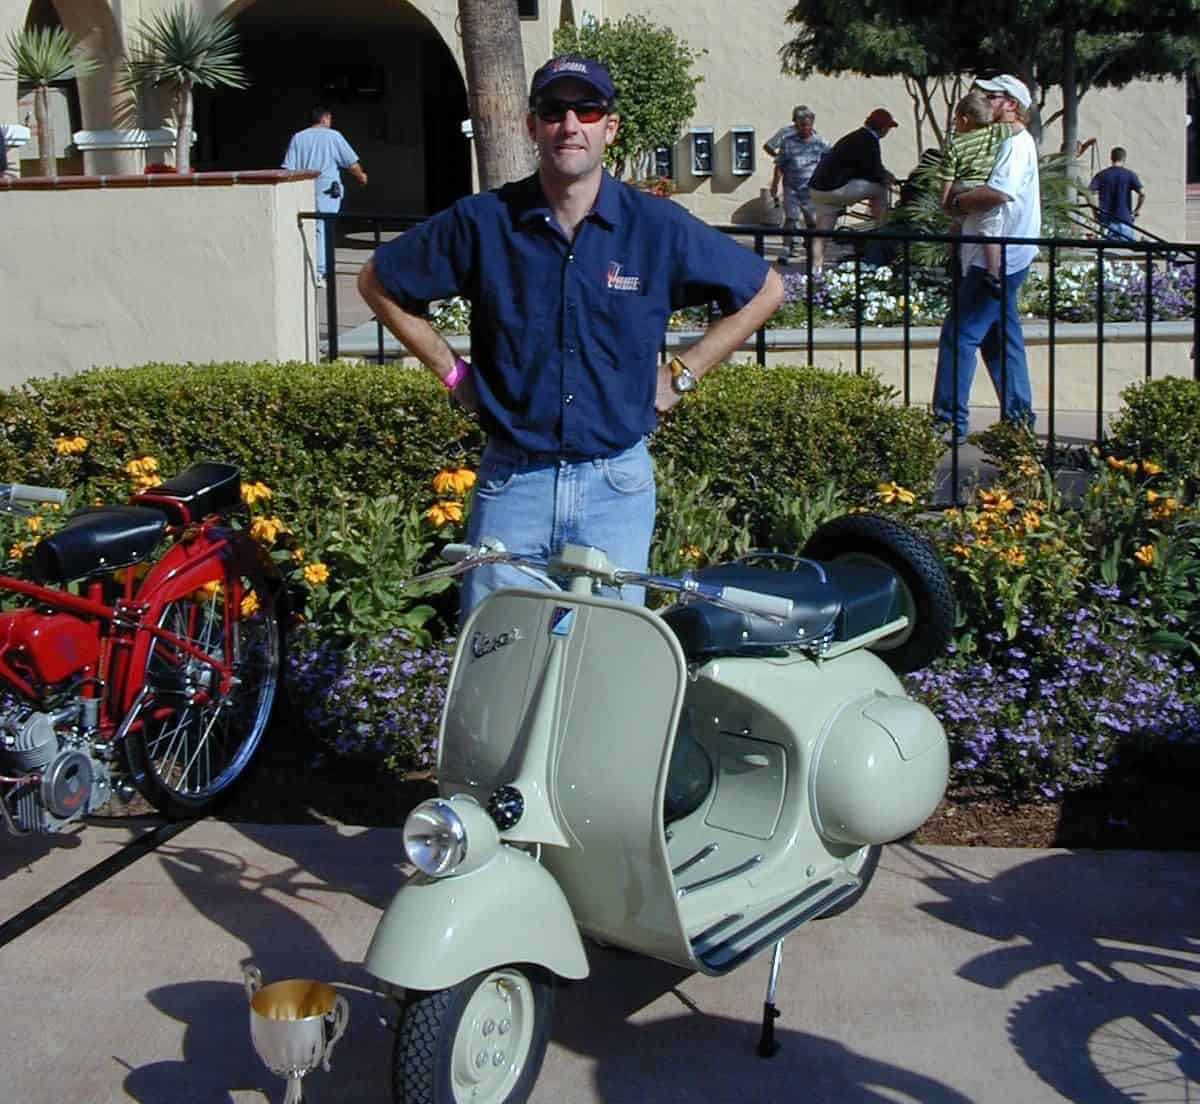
column 978, row 313
column 325, row 203
column 536, row 505
column 1118, row 231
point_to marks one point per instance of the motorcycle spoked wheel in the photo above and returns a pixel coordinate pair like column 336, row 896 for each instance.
column 926, row 593
column 186, row 745
column 482, row 1040
column 866, row 863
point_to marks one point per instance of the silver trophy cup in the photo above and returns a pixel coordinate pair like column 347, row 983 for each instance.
column 288, row 1021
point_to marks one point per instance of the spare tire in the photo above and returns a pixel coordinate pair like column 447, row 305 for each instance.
column 925, row 587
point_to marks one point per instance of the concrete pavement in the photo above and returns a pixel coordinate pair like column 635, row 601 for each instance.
column 963, row 975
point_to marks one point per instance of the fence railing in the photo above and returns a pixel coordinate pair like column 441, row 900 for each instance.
column 1151, row 281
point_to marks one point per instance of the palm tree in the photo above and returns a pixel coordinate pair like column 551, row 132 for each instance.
column 41, row 56
column 180, row 49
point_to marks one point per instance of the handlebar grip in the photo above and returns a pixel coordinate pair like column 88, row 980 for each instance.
column 753, row 601
column 456, row 553
column 27, row 492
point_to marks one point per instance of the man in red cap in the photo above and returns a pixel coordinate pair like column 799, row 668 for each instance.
column 849, row 173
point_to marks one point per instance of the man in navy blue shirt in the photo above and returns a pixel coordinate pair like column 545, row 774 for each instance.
column 1116, row 186
column 571, row 277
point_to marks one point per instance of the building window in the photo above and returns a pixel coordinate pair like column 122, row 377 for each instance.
column 664, row 162
column 527, row 9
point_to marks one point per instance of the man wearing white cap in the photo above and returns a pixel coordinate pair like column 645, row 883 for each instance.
column 975, row 321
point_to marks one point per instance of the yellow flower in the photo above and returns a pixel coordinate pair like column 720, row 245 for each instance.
column 1030, row 519
column 1013, row 556
column 17, row 551
column 1151, row 468
column 1164, row 509
column 255, row 492
column 266, row 530
column 980, row 525
column 1145, row 555
column 962, row 550
column 996, row 502
column 316, row 574
column 440, row 513
column 893, row 492
column 691, row 552
column 208, row 591
column 298, row 555
column 454, row 481
column 70, row 446
column 34, row 523
column 1152, row 497
column 249, row 604
column 143, row 465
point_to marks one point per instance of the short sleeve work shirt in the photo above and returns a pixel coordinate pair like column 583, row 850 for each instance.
column 320, row 149
column 565, row 334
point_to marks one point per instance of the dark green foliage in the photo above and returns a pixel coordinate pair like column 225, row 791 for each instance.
column 303, row 429
column 1161, row 422
column 309, row 430
column 759, row 432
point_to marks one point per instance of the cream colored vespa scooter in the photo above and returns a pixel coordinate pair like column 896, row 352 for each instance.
column 691, row 785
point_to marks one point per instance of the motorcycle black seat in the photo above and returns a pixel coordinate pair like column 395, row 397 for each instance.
column 203, row 489
column 96, row 540
column 851, row 599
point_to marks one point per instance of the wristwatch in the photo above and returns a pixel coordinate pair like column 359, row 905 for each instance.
column 683, row 379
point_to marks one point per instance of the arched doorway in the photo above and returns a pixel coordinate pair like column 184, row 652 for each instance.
column 391, row 82
column 88, row 103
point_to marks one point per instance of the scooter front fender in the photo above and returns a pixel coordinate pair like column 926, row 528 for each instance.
column 440, row 931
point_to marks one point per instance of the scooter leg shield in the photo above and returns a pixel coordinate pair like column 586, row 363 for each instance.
column 439, row 931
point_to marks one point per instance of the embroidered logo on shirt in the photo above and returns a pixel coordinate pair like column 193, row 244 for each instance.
column 617, row 282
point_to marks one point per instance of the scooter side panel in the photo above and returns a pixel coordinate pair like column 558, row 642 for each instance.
column 439, row 931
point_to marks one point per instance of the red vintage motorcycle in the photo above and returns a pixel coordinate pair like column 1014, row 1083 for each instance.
column 145, row 654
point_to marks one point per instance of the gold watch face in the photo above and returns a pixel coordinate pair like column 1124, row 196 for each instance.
column 682, row 378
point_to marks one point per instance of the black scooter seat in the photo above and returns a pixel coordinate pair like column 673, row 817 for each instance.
column 851, row 599
column 98, row 539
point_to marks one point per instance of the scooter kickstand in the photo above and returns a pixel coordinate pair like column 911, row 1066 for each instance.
column 767, row 1045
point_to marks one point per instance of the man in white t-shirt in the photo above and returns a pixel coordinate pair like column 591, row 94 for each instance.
column 979, row 320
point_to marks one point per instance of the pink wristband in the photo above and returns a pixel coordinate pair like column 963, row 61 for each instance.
column 460, row 369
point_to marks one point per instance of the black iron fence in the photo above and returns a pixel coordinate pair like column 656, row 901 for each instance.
column 1101, row 284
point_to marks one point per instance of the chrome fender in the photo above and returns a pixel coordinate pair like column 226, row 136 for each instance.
column 440, row 931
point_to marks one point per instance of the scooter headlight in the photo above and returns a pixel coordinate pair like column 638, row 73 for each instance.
column 437, row 831
column 435, row 838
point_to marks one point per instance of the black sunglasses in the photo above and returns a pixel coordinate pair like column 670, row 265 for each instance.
column 555, row 111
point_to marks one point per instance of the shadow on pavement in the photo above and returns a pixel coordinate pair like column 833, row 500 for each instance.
column 698, row 1056
column 1125, row 929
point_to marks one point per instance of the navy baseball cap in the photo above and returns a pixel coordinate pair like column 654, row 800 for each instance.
column 576, row 67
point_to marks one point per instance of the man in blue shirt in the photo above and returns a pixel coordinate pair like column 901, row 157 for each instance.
column 322, row 149
column 1116, row 186
column 571, row 277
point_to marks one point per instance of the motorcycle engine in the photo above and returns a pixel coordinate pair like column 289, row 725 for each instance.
column 66, row 781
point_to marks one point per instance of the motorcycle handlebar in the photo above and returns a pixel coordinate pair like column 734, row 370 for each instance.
column 753, row 601
column 27, row 492
column 456, row 553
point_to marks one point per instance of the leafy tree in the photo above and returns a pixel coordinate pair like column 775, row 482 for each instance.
column 651, row 69
column 42, row 56
column 179, row 49
column 496, row 89
column 1072, row 44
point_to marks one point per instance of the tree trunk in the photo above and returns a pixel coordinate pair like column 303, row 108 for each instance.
column 41, row 111
column 183, row 121
column 1070, row 93
column 496, row 89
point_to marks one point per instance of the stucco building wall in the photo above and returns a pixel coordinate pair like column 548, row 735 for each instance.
column 129, row 275
column 742, row 85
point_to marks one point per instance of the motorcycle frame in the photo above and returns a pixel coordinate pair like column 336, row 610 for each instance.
column 127, row 630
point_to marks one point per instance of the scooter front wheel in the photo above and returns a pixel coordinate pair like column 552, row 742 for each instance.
column 482, row 1040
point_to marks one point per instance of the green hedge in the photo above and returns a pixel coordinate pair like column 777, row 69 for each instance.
column 306, row 429
column 1161, row 422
